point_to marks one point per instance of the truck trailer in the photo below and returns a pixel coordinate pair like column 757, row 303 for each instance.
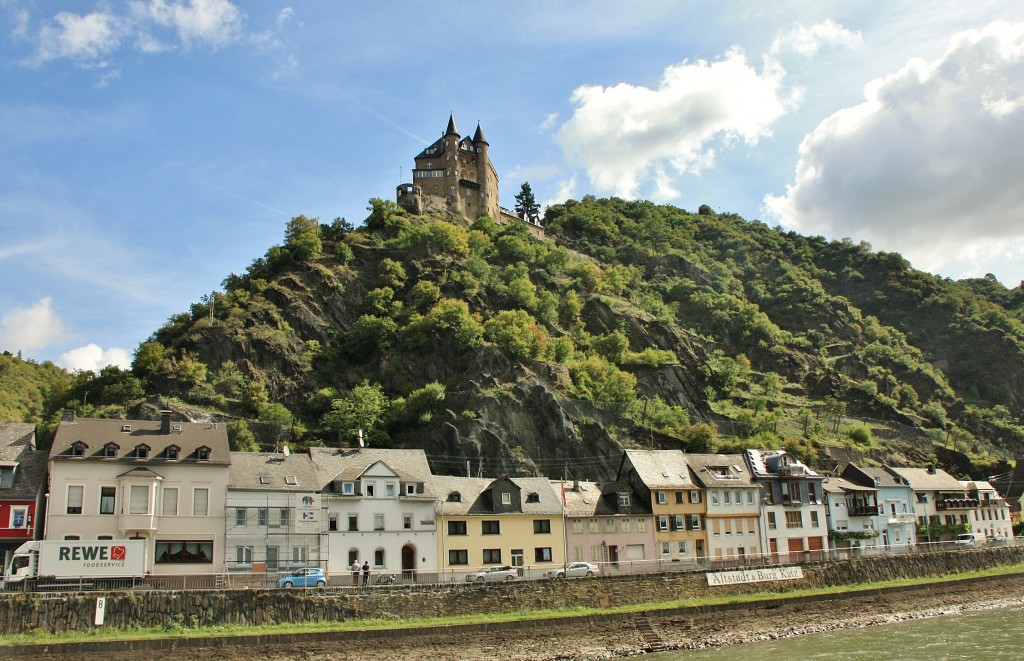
column 85, row 563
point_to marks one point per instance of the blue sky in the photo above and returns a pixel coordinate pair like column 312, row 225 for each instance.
column 148, row 148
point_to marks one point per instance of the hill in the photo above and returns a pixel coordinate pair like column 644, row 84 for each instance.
column 629, row 324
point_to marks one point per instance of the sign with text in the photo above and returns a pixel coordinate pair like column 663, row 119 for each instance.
column 755, row 575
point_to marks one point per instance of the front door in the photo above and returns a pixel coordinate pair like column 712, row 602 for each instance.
column 613, row 554
column 271, row 558
column 408, row 560
column 517, row 560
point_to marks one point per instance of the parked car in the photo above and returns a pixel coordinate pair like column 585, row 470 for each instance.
column 505, row 573
column 995, row 538
column 578, row 569
column 307, row 577
column 970, row 539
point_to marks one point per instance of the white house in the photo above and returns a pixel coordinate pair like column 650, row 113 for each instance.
column 793, row 507
column 896, row 521
column 380, row 509
column 161, row 481
column 991, row 516
column 733, row 505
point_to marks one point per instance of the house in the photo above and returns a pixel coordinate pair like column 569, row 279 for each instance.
column 793, row 507
column 162, row 481
column 852, row 514
column 22, row 485
column 380, row 507
column 733, row 505
column 992, row 515
column 492, row 523
column 896, row 521
column 275, row 518
column 607, row 524
column 941, row 504
column 662, row 479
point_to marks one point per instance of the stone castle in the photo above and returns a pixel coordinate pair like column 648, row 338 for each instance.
column 456, row 174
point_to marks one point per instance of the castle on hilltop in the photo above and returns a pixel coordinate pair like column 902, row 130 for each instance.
column 456, row 174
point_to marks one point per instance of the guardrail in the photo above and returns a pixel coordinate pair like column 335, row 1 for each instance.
column 382, row 579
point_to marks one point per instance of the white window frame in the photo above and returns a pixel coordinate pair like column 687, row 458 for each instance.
column 204, row 511
column 169, row 511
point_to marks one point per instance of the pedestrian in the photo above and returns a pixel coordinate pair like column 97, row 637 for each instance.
column 355, row 572
column 366, row 572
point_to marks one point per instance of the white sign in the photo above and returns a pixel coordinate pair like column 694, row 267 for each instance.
column 755, row 575
column 101, row 609
column 308, row 519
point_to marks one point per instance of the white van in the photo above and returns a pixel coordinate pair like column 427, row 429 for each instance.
column 970, row 539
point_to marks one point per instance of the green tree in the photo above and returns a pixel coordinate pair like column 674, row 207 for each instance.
column 241, row 438
column 526, row 204
column 362, row 410
column 517, row 333
column 149, row 358
column 302, row 238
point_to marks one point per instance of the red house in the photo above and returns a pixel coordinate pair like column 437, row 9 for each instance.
column 22, row 485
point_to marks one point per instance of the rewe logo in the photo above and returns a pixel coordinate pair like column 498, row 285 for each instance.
column 117, row 553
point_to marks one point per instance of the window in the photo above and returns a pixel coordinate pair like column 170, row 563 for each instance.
column 714, row 497
column 378, row 522
column 201, row 502
column 240, row 516
column 750, row 497
column 170, row 505
column 577, row 553
column 492, row 556
column 739, row 497
column 542, row 554
column 290, row 480
column 107, row 497
column 592, row 526
column 370, row 488
column 410, row 489
column 666, row 548
column 533, row 498
column 172, row 453
column 389, row 490
column 794, row 520
column 641, row 525
column 378, row 558
column 662, row 523
column 609, row 525
column 680, row 498
column 771, row 521
column 693, row 522
column 458, row 557
column 490, row 527
column 541, row 526
column 19, row 517
column 506, row 498
column 456, row 527
column 681, row 547
column 694, row 497
column 348, row 488
column 623, row 500
column 299, row 554
column 243, row 555
column 626, row 525
column 75, row 493
column 678, row 523
column 577, row 526
column 142, row 452
column 184, row 552
column 284, row 515
column 138, row 499
column 77, row 449
column 110, row 449
column 814, row 519
column 407, row 521
column 662, row 498
column 455, row 497
column 353, row 556
column 353, row 522
column 727, row 497
column 261, row 517
column 203, row 454
column 332, row 524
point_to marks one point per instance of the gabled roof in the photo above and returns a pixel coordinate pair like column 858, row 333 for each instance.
column 841, row 485
column 877, row 477
column 928, row 479
column 267, row 471
column 349, row 465
column 720, row 470
column 660, row 469
column 97, row 433
column 586, row 499
column 768, row 463
column 476, row 497
column 25, row 476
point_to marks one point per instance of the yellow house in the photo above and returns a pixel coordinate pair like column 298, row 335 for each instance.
column 484, row 523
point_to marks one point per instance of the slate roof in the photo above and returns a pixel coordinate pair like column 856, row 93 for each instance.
column 26, row 480
column 842, row 485
column 923, row 479
column 701, row 465
column 348, row 465
column 476, row 499
column 878, row 477
column 660, row 469
column 97, row 433
column 248, row 468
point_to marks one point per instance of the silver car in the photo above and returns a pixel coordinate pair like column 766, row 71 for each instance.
column 505, row 573
column 579, row 569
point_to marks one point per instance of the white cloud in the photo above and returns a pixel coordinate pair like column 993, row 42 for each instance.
column 28, row 329
column 92, row 358
column 566, row 190
column 214, row 23
column 805, row 40
column 929, row 164
column 549, row 121
column 86, row 40
column 628, row 137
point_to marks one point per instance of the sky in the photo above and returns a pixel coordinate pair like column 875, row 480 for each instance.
column 150, row 148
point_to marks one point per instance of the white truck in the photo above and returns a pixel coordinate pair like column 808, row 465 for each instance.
column 86, row 563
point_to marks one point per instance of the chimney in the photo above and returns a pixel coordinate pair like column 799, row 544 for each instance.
column 165, row 423
column 575, row 485
column 931, row 470
column 345, row 445
column 69, row 415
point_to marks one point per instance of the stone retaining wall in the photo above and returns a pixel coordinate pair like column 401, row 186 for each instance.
column 21, row 613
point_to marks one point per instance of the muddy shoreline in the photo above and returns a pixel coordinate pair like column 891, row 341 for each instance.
column 622, row 635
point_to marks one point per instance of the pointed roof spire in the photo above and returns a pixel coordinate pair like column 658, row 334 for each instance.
column 451, row 125
column 479, row 135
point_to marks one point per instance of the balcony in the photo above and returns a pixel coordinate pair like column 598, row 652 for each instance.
column 956, row 504
column 901, row 519
column 864, row 510
column 126, row 522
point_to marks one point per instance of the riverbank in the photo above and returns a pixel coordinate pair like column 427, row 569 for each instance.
column 605, row 636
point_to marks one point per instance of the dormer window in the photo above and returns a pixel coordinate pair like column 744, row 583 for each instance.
column 624, row 499
column 533, row 498
column 172, row 452
column 110, row 449
column 455, row 497
column 126, row 429
column 348, row 488
column 290, row 480
column 410, row 489
column 142, row 451
column 77, row 449
column 203, row 453
column 506, row 498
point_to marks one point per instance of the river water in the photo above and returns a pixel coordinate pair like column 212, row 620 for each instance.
column 991, row 635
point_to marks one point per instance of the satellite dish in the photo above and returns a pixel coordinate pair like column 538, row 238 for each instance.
column 361, row 444
column 286, row 451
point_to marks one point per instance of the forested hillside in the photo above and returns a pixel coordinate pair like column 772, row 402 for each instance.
column 630, row 324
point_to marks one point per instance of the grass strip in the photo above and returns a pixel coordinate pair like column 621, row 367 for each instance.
column 175, row 630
